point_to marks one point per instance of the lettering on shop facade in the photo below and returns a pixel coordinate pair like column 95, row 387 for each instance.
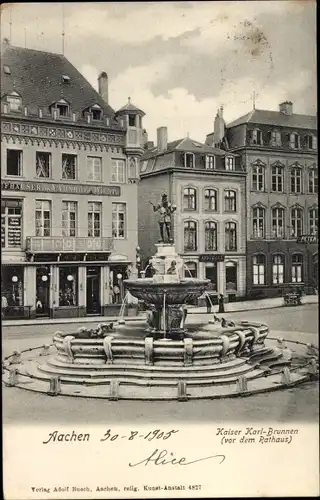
column 308, row 238
column 55, row 187
column 211, row 258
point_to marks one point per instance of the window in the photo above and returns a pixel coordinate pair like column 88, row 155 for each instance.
column 43, row 218
column 96, row 114
column 311, row 141
column 189, row 160
column 65, row 79
column 69, row 218
column 258, row 222
column 259, row 269
column 277, row 269
column 229, row 163
column 230, row 201
column 63, row 109
column 118, row 220
column 294, row 141
column 43, row 164
column 94, row 219
column 258, row 178
column 210, row 162
column 275, row 138
column 94, row 168
column 118, row 171
column 14, row 162
column 12, row 284
column 212, row 275
column 296, row 222
column 296, row 180
column 210, row 200
column 277, row 216
column 296, row 268
column 312, row 181
column 313, row 221
column 210, row 231
column 277, row 179
column 190, row 270
column 190, row 236
column 189, row 199
column 230, row 237
column 132, row 170
column 256, row 137
column 68, row 286
column 69, row 166
column 11, row 223
column 132, row 120
column 15, row 102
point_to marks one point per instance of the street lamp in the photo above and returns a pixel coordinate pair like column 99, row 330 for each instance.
column 14, row 279
column 70, row 277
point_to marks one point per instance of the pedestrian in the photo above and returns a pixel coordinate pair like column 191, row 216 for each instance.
column 221, row 303
column 4, row 305
column 208, row 303
column 116, row 291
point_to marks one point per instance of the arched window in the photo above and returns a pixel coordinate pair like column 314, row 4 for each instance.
column 210, row 236
column 230, row 237
column 190, row 236
column 296, row 180
column 296, row 222
column 277, row 179
column 277, row 269
column 296, row 268
column 189, row 199
column 313, row 221
column 277, row 222
column 258, row 177
column 312, row 181
column 258, row 222
column 259, row 269
column 230, row 201
column 190, row 270
column 210, row 200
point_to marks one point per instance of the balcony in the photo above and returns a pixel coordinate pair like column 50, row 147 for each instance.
column 38, row 244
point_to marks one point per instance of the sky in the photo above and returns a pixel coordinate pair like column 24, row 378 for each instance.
column 181, row 61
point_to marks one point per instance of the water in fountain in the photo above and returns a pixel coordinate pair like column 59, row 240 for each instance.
column 122, row 308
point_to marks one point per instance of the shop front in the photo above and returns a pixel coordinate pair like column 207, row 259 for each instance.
column 12, row 292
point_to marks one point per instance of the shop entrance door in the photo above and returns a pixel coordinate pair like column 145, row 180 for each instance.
column 42, row 291
column 93, row 290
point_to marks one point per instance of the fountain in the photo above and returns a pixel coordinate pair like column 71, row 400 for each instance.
column 164, row 355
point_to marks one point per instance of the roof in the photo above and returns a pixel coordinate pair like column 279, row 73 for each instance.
column 186, row 144
column 130, row 107
column 275, row 118
column 38, row 77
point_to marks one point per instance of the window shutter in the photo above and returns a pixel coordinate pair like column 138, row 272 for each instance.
column 291, row 138
column 254, row 136
column 90, row 168
column 314, row 142
column 182, row 159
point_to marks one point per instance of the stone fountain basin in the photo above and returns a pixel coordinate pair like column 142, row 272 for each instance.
column 175, row 291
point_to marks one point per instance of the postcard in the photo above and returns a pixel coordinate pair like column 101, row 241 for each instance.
column 159, row 264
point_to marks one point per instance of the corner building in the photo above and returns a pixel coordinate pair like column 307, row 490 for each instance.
column 279, row 151
column 208, row 187
column 69, row 178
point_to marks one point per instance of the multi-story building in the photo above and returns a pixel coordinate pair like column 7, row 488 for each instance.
column 279, row 151
column 207, row 185
column 69, row 188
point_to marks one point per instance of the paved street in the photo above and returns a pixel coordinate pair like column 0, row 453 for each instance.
column 300, row 403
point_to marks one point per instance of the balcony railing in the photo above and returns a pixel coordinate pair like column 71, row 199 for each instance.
column 36, row 244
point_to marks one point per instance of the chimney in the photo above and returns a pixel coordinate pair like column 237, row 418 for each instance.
column 162, row 139
column 219, row 127
column 286, row 108
column 103, row 86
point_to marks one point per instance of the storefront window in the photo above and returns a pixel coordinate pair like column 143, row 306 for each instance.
column 211, row 274
column 42, row 290
column 11, row 288
column 117, row 291
column 190, row 270
column 68, row 286
column 11, row 223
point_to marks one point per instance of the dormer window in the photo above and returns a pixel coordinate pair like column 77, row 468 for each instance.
column 63, row 109
column 256, row 137
column 275, row 139
column 209, row 162
column 96, row 114
column 7, row 70
column 229, row 163
column 311, row 142
column 14, row 101
column 65, row 79
column 294, row 141
column 189, row 160
column 132, row 120
column 60, row 109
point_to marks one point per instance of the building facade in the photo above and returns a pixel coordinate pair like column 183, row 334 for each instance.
column 69, row 183
column 279, row 151
column 207, row 185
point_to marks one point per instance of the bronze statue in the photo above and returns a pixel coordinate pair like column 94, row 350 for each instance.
column 165, row 210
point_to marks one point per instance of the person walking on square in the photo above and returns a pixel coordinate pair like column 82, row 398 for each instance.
column 221, row 303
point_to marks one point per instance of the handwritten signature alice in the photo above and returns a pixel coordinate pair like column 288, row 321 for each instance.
column 164, row 457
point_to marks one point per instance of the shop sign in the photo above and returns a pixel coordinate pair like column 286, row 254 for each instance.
column 211, row 258
column 56, row 187
column 308, row 238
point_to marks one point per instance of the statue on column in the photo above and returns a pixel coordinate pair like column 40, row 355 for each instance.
column 165, row 209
